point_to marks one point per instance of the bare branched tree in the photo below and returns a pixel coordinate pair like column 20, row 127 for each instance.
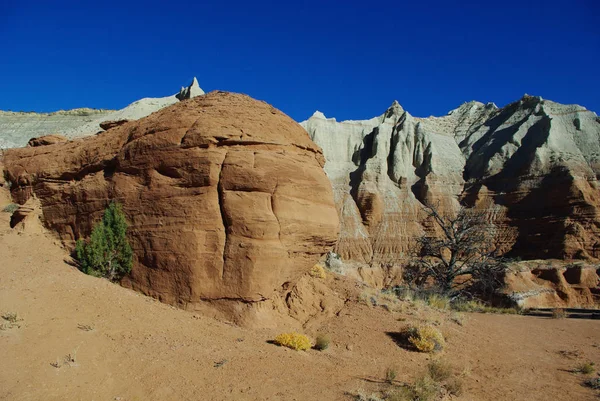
column 462, row 245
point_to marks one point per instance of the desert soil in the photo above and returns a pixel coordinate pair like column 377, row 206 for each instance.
column 84, row 338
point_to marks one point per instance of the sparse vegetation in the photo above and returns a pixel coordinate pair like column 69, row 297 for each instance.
column 296, row 341
column 440, row 376
column 425, row 388
column 593, row 383
column 67, row 360
column 405, row 393
column 11, row 317
column 570, row 354
column 454, row 386
column 220, row 363
column 10, row 320
column 462, row 305
column 386, row 299
column 317, row 271
column 322, row 342
column 439, row 370
column 457, row 318
column 438, row 301
column 107, row 253
column 334, row 263
column 390, row 374
column 425, row 338
column 10, row 208
column 586, row 368
column 85, row 327
column 463, row 246
column 361, row 396
column 559, row 313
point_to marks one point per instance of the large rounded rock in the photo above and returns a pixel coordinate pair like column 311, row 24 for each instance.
column 226, row 197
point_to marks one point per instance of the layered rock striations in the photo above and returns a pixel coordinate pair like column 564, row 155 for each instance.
column 532, row 166
column 17, row 128
column 226, row 198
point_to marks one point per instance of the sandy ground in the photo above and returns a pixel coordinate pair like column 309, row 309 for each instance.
column 83, row 338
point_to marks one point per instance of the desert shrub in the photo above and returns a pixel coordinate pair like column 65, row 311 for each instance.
column 425, row 338
column 462, row 305
column 400, row 394
column 9, row 320
column 440, row 376
column 11, row 317
column 439, row 370
column 361, row 396
column 390, row 374
column 457, row 318
column 317, row 271
column 593, row 383
column 322, row 342
column 454, row 386
column 425, row 389
column 586, row 368
column 438, row 301
column 107, row 253
column 296, row 341
column 559, row 313
column 10, row 208
column 333, row 262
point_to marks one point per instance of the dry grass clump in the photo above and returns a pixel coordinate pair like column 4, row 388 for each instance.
column 476, row 306
column 439, row 370
column 457, row 318
column 438, row 301
column 454, row 386
column 317, row 271
column 296, row 341
column 11, row 317
column 443, row 373
column 586, row 368
column 361, row 396
column 322, row 342
column 425, row 338
column 559, row 313
column 440, row 379
column 10, row 320
column 68, row 360
column 424, row 389
column 390, row 374
column 386, row 299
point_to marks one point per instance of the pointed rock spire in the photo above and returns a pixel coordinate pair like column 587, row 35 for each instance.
column 395, row 110
column 191, row 91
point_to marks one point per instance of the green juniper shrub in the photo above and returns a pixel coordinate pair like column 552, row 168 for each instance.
column 10, row 208
column 107, row 253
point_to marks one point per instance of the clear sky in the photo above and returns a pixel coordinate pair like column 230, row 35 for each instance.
column 348, row 59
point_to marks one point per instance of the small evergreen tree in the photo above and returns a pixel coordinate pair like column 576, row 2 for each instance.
column 107, row 253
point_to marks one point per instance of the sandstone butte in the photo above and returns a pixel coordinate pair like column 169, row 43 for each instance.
column 531, row 166
column 226, row 197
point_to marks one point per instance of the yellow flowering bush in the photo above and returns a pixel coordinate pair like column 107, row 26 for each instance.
column 296, row 341
column 318, row 271
column 425, row 338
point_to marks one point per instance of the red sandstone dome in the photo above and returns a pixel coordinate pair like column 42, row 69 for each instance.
column 226, row 197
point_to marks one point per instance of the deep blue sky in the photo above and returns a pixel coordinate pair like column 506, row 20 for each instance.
column 349, row 59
